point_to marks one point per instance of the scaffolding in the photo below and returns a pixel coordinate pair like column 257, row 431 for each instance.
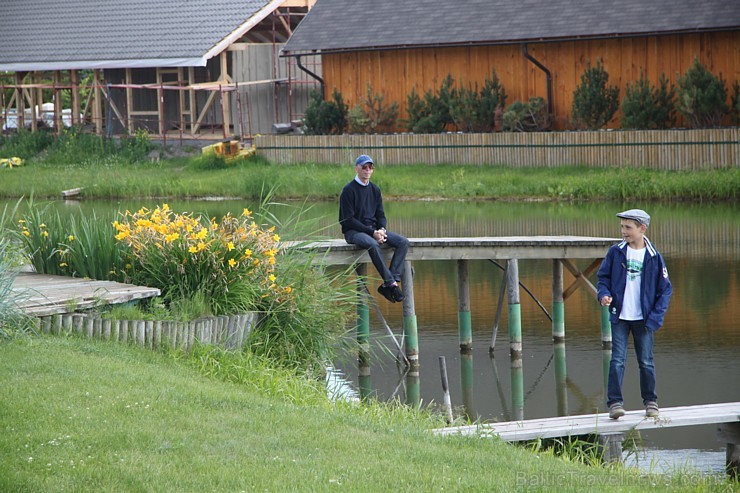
column 186, row 102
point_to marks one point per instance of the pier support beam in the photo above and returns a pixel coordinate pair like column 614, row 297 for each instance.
column 611, row 445
column 463, row 303
column 410, row 331
column 730, row 434
column 558, row 304
column 466, row 384
column 515, row 339
column 363, row 334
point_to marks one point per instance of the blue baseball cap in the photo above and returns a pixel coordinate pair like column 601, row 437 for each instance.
column 363, row 159
column 638, row 215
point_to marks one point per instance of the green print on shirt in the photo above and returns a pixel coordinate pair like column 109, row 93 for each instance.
column 634, row 269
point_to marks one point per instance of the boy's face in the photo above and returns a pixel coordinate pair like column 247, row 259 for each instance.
column 632, row 231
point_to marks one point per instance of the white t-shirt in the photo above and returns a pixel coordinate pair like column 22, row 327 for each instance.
column 631, row 306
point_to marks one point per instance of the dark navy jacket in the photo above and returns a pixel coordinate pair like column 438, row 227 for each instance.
column 655, row 288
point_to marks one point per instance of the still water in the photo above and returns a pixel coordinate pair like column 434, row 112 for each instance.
column 697, row 352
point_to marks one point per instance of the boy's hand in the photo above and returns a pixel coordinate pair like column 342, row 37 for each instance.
column 606, row 301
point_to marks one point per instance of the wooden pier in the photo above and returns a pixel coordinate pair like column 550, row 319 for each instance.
column 611, row 432
column 44, row 294
column 564, row 251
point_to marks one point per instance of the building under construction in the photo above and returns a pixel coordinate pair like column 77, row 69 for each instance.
column 204, row 70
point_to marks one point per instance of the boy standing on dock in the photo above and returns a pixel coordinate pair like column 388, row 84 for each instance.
column 363, row 222
column 634, row 284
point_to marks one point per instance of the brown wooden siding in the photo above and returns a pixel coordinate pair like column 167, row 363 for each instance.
column 394, row 73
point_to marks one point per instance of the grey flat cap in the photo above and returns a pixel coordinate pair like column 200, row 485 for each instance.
column 638, row 215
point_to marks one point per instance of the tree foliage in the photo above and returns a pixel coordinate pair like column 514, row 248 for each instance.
column 647, row 107
column 325, row 117
column 594, row 102
column 702, row 97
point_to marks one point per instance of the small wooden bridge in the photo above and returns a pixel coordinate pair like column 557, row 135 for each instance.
column 612, row 431
column 44, row 294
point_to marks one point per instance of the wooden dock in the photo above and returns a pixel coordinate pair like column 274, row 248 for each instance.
column 612, row 431
column 43, row 294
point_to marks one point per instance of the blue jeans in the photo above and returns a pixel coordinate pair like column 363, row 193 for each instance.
column 643, row 339
column 396, row 241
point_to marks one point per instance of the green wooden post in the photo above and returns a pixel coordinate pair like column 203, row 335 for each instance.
column 410, row 331
column 363, row 334
column 515, row 339
column 558, row 305
column 558, row 337
column 561, row 388
column 606, row 344
column 466, row 381
column 463, row 303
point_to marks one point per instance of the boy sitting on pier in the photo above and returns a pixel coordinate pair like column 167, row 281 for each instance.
column 634, row 284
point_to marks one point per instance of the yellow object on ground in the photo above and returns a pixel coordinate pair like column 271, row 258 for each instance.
column 228, row 150
column 11, row 162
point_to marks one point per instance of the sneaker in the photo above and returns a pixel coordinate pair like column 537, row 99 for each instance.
column 616, row 411
column 387, row 292
column 397, row 293
column 651, row 409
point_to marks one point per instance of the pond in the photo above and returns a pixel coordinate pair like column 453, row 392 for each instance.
column 696, row 352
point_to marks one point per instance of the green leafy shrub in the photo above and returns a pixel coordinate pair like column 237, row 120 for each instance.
column 474, row 111
column 526, row 117
column 25, row 144
column 647, row 107
column 325, row 117
column 735, row 109
column 432, row 113
column 373, row 115
column 702, row 97
column 594, row 102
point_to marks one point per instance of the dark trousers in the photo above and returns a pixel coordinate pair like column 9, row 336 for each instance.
column 399, row 243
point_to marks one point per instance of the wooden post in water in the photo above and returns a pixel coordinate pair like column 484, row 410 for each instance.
column 445, row 388
column 410, row 330
column 363, row 334
column 558, row 338
column 466, row 383
column 515, row 339
column 413, row 387
column 463, row 304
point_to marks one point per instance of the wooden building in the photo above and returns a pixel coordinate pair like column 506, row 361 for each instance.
column 537, row 48
column 197, row 69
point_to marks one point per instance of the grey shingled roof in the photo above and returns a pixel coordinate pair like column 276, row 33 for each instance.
column 75, row 34
column 339, row 25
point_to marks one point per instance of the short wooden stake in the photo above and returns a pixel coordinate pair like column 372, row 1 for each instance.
column 445, row 389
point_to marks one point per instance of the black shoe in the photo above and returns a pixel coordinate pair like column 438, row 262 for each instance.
column 387, row 292
column 397, row 293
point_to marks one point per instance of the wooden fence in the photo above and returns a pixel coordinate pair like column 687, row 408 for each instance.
column 229, row 332
column 657, row 149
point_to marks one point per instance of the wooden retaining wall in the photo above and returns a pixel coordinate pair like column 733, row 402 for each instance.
column 657, row 149
column 229, row 332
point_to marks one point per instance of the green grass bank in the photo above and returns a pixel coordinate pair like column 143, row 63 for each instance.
column 135, row 168
column 85, row 416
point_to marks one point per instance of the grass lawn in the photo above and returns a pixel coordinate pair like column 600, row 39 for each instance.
column 77, row 415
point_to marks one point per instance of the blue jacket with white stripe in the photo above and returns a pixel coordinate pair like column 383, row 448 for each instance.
column 655, row 288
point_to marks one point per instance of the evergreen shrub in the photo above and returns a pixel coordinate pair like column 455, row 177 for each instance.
column 702, row 97
column 645, row 107
column 594, row 102
column 325, row 117
column 526, row 117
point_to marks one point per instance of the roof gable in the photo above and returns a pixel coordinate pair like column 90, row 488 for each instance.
column 335, row 25
column 74, row 34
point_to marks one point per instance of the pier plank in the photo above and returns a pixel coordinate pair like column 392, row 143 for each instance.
column 44, row 294
column 728, row 412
